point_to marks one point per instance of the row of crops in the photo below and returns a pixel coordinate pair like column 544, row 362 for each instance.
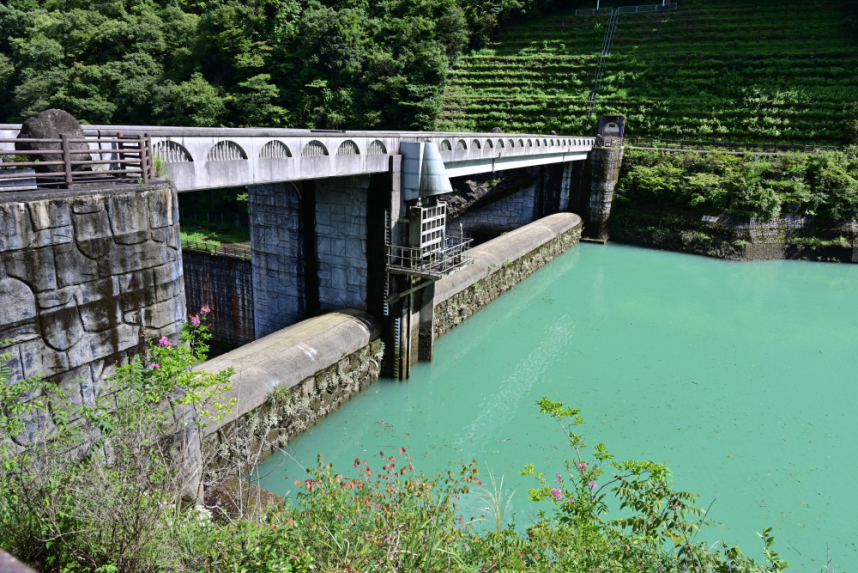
column 717, row 69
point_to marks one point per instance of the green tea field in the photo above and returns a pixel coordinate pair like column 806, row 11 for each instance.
column 712, row 69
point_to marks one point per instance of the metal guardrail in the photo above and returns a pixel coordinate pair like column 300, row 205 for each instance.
column 216, row 250
column 626, row 9
column 429, row 263
column 647, row 8
column 773, row 147
column 127, row 157
column 594, row 12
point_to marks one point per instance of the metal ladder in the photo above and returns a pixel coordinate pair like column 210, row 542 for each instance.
column 607, row 44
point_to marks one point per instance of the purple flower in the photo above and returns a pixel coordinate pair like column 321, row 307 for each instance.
column 558, row 495
column 165, row 342
column 155, row 365
column 205, row 309
column 593, row 484
column 195, row 320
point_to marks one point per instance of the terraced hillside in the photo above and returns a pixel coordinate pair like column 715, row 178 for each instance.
column 713, row 69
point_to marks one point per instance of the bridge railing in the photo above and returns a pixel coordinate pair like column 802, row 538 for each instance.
column 68, row 162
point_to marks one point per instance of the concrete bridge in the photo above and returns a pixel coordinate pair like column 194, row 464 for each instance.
column 208, row 158
column 356, row 219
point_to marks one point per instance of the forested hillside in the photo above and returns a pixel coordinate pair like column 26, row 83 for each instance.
column 274, row 63
column 712, row 69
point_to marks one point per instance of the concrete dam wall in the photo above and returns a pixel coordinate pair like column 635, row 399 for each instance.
column 303, row 372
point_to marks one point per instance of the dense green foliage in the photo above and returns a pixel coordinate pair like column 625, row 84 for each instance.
column 823, row 184
column 274, row 63
column 713, row 69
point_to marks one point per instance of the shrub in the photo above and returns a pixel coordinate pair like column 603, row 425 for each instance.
column 100, row 487
column 822, row 184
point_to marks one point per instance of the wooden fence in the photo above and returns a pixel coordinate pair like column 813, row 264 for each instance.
column 124, row 158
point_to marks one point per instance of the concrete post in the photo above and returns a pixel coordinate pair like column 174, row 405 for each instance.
column 606, row 163
column 426, row 328
column 277, row 242
column 552, row 190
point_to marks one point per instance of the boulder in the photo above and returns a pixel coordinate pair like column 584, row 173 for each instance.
column 52, row 124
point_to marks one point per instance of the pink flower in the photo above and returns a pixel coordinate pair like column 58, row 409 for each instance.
column 582, row 466
column 558, row 495
column 155, row 365
column 593, row 484
column 195, row 320
column 570, row 500
column 205, row 309
column 401, row 450
column 165, row 342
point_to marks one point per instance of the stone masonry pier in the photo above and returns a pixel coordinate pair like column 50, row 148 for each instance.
column 83, row 275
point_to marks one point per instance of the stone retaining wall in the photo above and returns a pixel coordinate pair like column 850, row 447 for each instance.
column 288, row 380
column 289, row 411
column 83, row 275
column 738, row 238
column 501, row 264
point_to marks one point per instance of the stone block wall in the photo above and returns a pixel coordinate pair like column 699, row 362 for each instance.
column 738, row 238
column 309, row 249
column 277, row 244
column 289, row 411
column 83, row 275
column 341, row 207
column 503, row 215
column 225, row 283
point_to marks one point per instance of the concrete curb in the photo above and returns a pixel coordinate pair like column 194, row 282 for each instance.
column 490, row 257
column 290, row 356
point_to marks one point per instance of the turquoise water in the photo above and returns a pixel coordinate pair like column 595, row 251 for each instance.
column 740, row 376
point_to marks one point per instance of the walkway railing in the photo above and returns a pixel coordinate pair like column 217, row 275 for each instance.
column 68, row 162
column 626, row 9
column 429, row 263
column 217, row 250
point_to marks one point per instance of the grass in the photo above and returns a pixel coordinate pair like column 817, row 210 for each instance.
column 713, row 69
column 213, row 234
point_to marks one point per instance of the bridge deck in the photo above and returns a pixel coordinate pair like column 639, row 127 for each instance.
column 210, row 158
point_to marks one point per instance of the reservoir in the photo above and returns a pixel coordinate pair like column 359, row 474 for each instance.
column 741, row 377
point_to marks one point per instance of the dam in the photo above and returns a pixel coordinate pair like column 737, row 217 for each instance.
column 356, row 270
